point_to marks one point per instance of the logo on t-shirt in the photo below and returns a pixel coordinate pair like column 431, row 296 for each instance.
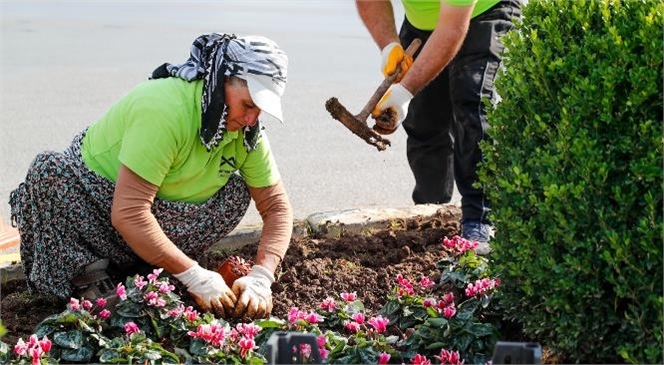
column 226, row 167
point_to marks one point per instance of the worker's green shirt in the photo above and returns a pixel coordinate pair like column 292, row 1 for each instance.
column 423, row 14
column 154, row 131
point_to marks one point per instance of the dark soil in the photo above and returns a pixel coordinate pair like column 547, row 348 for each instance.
column 313, row 269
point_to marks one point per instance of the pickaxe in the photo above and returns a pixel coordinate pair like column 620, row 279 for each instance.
column 358, row 123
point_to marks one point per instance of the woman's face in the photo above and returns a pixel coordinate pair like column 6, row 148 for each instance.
column 241, row 109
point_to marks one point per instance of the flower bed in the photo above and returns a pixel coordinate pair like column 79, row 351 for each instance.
column 408, row 294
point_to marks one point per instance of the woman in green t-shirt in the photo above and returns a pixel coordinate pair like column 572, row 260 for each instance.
column 168, row 171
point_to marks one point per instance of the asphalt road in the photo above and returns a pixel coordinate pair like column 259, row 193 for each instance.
column 63, row 64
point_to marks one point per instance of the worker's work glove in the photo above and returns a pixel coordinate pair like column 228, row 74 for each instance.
column 254, row 293
column 391, row 109
column 392, row 55
column 208, row 289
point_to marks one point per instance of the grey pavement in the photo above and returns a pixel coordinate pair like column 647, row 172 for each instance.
column 63, row 64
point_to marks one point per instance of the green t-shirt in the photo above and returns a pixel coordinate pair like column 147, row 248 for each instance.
column 423, row 14
column 154, row 131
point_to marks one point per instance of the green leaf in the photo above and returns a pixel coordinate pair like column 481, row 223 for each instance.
column 70, row 339
column 368, row 355
column 111, row 356
column 435, row 346
column 270, row 323
column 129, row 309
column 436, row 322
column 45, row 328
column 482, row 329
column 198, row 347
column 152, row 355
column 83, row 354
column 390, row 309
column 67, row 317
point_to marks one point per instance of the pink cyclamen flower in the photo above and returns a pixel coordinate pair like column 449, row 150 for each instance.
column 312, row 318
column 74, row 304
column 246, row 344
column 322, row 351
column 349, row 297
column 45, row 344
column 21, row 348
column 405, row 291
column 176, row 312
column 121, row 291
column 358, row 317
column 165, row 287
column 420, row 360
column 213, row 333
column 100, row 302
column 328, row 304
column 405, row 286
column 105, row 313
column 86, row 304
column 36, row 354
column 33, row 341
column 459, row 244
column 426, row 282
column 449, row 311
column 321, row 340
column 294, row 314
column 154, row 300
column 131, row 328
column 428, row 302
column 450, row 357
column 383, row 358
column 248, row 329
column 481, row 287
column 352, row 326
column 379, row 323
column 155, row 274
column 190, row 313
column 140, row 282
column 448, row 298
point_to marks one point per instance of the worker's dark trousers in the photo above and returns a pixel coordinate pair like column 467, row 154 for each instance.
column 446, row 120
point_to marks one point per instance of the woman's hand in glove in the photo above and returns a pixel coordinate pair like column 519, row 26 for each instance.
column 208, row 289
column 254, row 293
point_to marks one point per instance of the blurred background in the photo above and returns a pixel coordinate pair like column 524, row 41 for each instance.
column 64, row 63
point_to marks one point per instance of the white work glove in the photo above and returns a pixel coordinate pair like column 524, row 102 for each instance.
column 391, row 109
column 208, row 289
column 254, row 293
column 392, row 55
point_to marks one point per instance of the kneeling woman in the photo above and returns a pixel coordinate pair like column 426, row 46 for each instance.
column 168, row 171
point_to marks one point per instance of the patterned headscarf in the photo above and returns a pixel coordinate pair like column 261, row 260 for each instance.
column 214, row 57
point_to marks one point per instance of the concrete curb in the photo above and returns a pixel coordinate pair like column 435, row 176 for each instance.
column 325, row 224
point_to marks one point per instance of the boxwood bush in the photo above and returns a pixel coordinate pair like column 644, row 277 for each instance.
column 574, row 173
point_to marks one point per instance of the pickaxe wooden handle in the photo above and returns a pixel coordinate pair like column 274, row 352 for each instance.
column 375, row 98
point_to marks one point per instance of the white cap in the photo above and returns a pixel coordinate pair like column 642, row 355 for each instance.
column 266, row 93
column 261, row 62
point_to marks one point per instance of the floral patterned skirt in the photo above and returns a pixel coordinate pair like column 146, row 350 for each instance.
column 63, row 214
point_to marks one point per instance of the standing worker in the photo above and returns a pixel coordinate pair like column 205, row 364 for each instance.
column 168, row 171
column 439, row 99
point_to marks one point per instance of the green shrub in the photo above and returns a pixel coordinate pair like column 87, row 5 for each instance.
column 574, row 173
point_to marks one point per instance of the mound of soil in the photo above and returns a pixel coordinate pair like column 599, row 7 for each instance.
column 313, row 269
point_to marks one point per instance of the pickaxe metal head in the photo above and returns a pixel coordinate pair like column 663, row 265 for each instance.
column 354, row 124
